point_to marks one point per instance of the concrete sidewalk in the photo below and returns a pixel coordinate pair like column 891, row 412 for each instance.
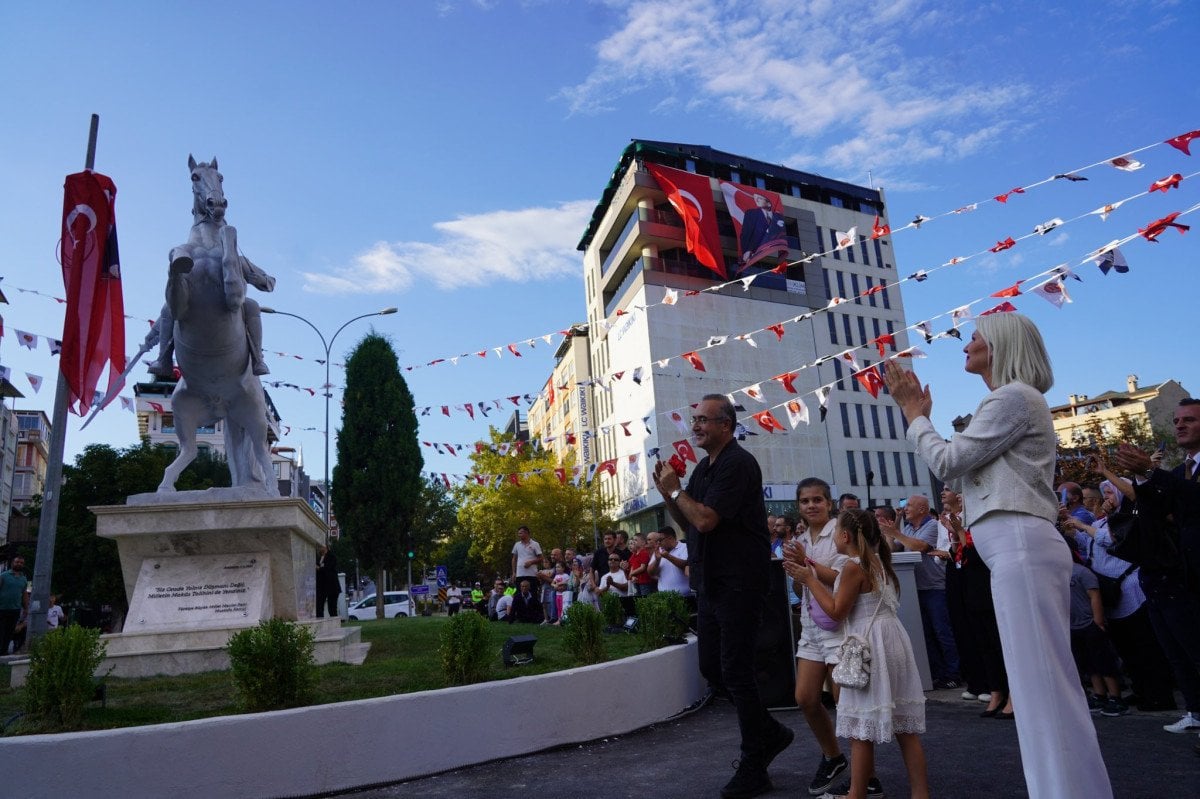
column 968, row 757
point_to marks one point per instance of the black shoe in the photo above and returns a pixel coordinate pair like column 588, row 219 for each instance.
column 827, row 771
column 750, row 780
column 987, row 714
column 781, row 740
column 1005, row 716
column 945, row 685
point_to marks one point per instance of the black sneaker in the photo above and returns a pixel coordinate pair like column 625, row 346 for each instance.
column 749, row 780
column 827, row 772
column 781, row 740
column 1113, row 708
column 945, row 685
column 1095, row 704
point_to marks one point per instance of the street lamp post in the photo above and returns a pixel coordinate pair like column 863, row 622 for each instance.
column 328, row 345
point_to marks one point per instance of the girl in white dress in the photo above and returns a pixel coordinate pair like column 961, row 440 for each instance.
column 866, row 597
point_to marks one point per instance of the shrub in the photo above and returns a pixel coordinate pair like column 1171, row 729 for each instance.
column 60, row 681
column 661, row 619
column 610, row 606
column 585, row 634
column 465, row 649
column 273, row 665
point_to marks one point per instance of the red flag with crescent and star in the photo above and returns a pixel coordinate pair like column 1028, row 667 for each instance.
column 94, row 331
column 691, row 197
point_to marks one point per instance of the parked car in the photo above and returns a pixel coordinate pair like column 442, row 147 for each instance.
column 395, row 603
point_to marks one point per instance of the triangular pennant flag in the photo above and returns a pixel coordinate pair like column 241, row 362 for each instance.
column 609, row 467
column 778, row 330
column 1012, row 291
column 680, row 423
column 960, row 314
column 1183, row 141
column 1105, row 210
column 716, row 341
column 1053, row 292
column 1064, row 271
column 26, row 340
column 678, row 465
column 767, row 421
column 747, row 280
column 1166, row 184
column 1111, row 258
column 1069, row 176
column 878, row 230
column 966, row 209
column 848, row 357
column 797, row 412
column 754, row 392
column 625, row 428
column 787, row 380
column 635, row 463
column 1159, row 226
column 158, row 407
column 1004, row 307
column 1001, row 246
column 926, row 330
column 35, row 381
column 127, row 404
column 55, row 345
column 513, row 349
column 845, row 240
column 746, row 337
column 870, row 379
column 1126, row 164
column 823, row 398
column 470, row 409
column 694, row 360
column 637, row 375
column 1047, row 226
column 561, row 474
column 882, row 342
column 670, row 297
column 684, row 449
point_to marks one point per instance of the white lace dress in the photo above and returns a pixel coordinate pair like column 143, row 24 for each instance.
column 893, row 702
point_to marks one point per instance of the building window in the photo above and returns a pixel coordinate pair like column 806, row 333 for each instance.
column 879, row 254
column 832, row 328
column 850, row 253
column 167, row 423
column 761, row 183
column 866, row 460
column 871, row 296
column 845, row 420
column 875, row 420
column 875, row 324
column 862, row 242
column 883, row 472
column 862, row 422
column 891, row 419
column 837, row 254
column 899, row 471
column 836, row 201
column 912, row 468
column 846, row 328
column 837, row 372
column 883, row 295
column 22, row 484
column 825, row 275
column 690, row 165
column 862, row 329
column 841, row 281
column 857, row 290
column 850, row 466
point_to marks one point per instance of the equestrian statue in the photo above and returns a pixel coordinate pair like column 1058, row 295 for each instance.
column 215, row 333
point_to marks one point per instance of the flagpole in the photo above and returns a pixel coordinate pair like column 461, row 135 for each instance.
column 43, row 566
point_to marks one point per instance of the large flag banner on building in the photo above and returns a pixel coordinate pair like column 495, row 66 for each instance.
column 691, row 196
column 94, row 330
column 757, row 221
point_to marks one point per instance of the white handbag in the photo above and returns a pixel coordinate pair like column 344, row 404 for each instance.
column 853, row 669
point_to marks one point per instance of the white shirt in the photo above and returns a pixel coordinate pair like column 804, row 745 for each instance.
column 823, row 551
column 670, row 576
column 54, row 616
column 526, row 552
column 614, row 580
column 453, row 595
column 504, row 606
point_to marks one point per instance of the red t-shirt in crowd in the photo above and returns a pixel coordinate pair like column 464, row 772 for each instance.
column 640, row 558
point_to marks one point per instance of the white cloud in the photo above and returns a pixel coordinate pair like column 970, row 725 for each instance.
column 856, row 87
column 527, row 244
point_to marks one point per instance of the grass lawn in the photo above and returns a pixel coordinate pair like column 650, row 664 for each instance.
column 404, row 658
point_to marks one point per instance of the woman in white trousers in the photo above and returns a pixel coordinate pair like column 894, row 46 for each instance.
column 1003, row 465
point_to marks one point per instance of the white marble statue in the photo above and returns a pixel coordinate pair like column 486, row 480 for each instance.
column 216, row 334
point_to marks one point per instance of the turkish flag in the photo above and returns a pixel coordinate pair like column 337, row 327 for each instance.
column 685, row 451
column 883, row 341
column 767, row 421
column 609, row 466
column 1167, row 183
column 871, row 380
column 94, row 330
column 778, row 330
column 691, row 197
column 694, row 360
column 878, row 230
column 786, row 379
column 561, row 474
column 1012, row 291
column 1183, row 141
column 1007, row 244
column 1159, row 226
column 1004, row 307
column 678, row 465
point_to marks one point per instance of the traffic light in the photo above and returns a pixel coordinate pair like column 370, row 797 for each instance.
column 411, row 554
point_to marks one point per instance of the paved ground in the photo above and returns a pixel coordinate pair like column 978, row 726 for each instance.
column 688, row 757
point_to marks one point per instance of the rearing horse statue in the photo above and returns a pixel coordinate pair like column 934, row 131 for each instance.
column 216, row 335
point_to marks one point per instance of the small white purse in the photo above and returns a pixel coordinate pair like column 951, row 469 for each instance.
column 853, row 669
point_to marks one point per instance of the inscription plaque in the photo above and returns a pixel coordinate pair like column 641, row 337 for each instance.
column 201, row 591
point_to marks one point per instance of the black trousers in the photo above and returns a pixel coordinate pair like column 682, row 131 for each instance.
column 8, row 623
column 985, row 634
column 1149, row 672
column 727, row 624
column 327, row 599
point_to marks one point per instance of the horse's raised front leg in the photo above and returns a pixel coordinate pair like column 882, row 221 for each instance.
column 231, row 269
column 177, row 284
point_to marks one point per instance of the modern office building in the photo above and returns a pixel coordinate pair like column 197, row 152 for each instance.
column 651, row 304
column 560, row 417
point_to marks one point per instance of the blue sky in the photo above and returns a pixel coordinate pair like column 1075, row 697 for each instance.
column 443, row 157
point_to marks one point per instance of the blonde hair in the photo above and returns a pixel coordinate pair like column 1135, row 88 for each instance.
column 1017, row 350
column 875, row 554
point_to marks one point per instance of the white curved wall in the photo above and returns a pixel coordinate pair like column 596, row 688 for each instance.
column 325, row 748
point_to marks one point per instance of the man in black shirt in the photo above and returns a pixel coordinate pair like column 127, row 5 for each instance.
column 729, row 553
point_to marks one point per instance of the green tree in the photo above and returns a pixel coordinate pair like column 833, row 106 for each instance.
column 377, row 480
column 86, row 567
column 557, row 513
column 433, row 522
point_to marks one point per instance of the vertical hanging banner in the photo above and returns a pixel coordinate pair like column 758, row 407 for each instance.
column 757, row 221
column 691, row 197
column 94, row 330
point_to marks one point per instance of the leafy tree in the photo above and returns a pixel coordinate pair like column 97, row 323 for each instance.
column 433, row 522
column 559, row 514
column 456, row 555
column 1099, row 438
column 86, row 567
column 377, row 480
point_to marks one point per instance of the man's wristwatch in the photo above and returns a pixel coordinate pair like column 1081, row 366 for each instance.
column 675, row 494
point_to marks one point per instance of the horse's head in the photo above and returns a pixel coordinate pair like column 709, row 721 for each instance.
column 208, row 198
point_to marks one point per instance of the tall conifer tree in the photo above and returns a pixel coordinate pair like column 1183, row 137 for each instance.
column 377, row 479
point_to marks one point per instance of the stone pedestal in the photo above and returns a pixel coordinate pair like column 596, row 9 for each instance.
column 905, row 564
column 201, row 565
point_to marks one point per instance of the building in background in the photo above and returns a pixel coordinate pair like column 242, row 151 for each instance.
column 560, row 417
column 1153, row 405
column 635, row 258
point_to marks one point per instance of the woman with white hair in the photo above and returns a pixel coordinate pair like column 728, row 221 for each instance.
column 1003, row 465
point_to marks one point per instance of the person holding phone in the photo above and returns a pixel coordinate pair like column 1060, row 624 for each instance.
column 1003, row 464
